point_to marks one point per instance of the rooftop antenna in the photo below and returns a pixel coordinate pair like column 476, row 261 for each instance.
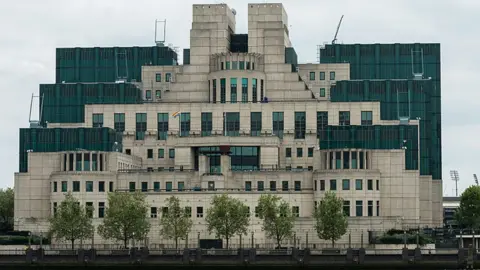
column 159, row 40
column 338, row 28
column 475, row 178
column 455, row 177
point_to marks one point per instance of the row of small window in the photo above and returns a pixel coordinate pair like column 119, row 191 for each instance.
column 89, row 209
column 83, row 162
column 346, row 184
column 158, row 77
column 200, row 211
column 148, row 94
column 288, row 152
column 234, row 93
column 144, row 187
column 273, row 186
column 237, row 65
column 359, row 208
column 322, row 75
column 89, row 186
column 160, row 153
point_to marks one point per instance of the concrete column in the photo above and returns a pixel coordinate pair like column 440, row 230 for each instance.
column 341, row 160
column 203, row 164
column 225, row 164
column 105, row 162
column 364, row 160
column 67, row 161
column 75, row 161
column 90, row 163
column 350, row 159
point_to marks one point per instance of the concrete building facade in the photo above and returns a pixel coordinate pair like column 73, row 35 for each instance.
column 245, row 123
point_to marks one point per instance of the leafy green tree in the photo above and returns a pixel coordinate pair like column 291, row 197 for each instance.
column 227, row 217
column 175, row 223
column 6, row 209
column 330, row 221
column 125, row 217
column 71, row 221
column 468, row 214
column 278, row 218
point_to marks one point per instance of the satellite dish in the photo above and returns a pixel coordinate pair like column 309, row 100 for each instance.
column 234, row 11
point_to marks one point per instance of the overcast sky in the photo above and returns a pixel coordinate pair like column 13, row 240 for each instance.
column 31, row 30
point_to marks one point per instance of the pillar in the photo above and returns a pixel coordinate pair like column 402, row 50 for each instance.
column 225, row 164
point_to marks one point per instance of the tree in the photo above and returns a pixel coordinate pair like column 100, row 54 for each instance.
column 468, row 214
column 330, row 221
column 278, row 218
column 125, row 217
column 175, row 223
column 227, row 217
column 71, row 221
column 6, row 209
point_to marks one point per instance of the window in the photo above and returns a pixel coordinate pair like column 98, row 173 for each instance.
column 161, row 153
column 299, row 125
column 370, row 184
column 378, row 208
column 140, row 126
column 158, row 77
column 119, row 122
column 288, row 152
column 199, row 212
column 332, row 75
column 310, row 168
column 54, row 209
column 97, row 120
column 322, row 185
column 298, row 186
column 131, row 186
column 223, row 94
column 333, row 184
column 322, row 122
column 76, row 186
column 359, row 208
column 214, row 91
column 149, row 153
column 260, row 186
column 344, row 119
column 144, row 186
column 346, row 184
column 180, row 186
column 78, row 163
column 254, row 91
column 128, row 151
column 234, row 65
column 206, row 124
column 233, row 89
column 156, row 186
column 315, row 186
column 241, row 65
column 322, row 92
column 148, row 94
column 162, row 126
column 184, row 124
column 101, row 186
column 248, row 186
column 164, row 211
column 158, row 94
column 168, row 77
column 64, row 186
column 227, row 65
column 168, row 186
column 299, row 152
column 153, row 212
column 257, row 211
column 278, row 125
column 231, row 125
column 244, row 90
column 222, row 66
column 211, row 185
column 322, row 75
column 284, row 185
column 296, row 211
column 188, row 211
column 255, row 123
column 262, row 92
column 346, row 208
column 54, row 186
column 248, row 65
column 171, row 153
column 310, row 152
column 378, row 184
column 367, row 118
column 89, row 209
column 273, row 185
column 101, row 209
column 312, row 76
column 370, row 208
column 359, row 184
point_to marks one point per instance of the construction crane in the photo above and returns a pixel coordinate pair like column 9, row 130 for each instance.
column 475, row 178
column 338, row 28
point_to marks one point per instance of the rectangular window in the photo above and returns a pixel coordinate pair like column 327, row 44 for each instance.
column 119, row 122
column 300, row 125
column 248, row 186
column 322, row 185
column 378, row 208
column 164, row 211
column 333, row 184
column 322, row 122
column 278, row 125
column 344, row 119
column 64, row 186
column 181, row 186
column 156, row 186
column 55, row 187
column 223, row 91
column 234, row 65
column 296, row 211
column 153, row 212
column 312, row 76
column 188, row 211
column 262, row 92
column 233, row 89
column 101, row 209
column 299, row 152
column 78, row 162
column 149, row 153
column 310, row 152
column 158, row 77
column 315, row 186
column 370, row 208
column 171, row 153
column 273, row 185
column 161, row 153
column 332, row 75
column 89, row 209
column 255, row 123
column 346, row 184
column 359, row 208
column 232, row 123
column 346, row 208
column 367, row 118
column 162, row 126
column 206, row 124
column 158, row 94
column 101, row 186
column 140, row 126
column 144, row 186
column 288, row 152
column 211, row 185
column 298, row 186
column 54, row 209
column 227, row 65
column 97, row 120
column 322, row 75
column 359, row 184
column 284, row 185
column 214, row 91
column 184, row 124
column 354, row 160
column 377, row 184
column 168, row 186
column 76, row 186
column 131, row 186
column 254, row 91
column 168, row 77
column 222, row 66
column 110, row 187
column 370, row 184
column 260, row 186
column 322, row 92
column 148, row 94
column 244, row 90
column 241, row 65
column 200, row 209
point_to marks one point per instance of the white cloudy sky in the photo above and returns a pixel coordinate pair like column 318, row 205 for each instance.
column 32, row 29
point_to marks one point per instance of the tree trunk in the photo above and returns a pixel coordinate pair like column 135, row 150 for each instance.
column 73, row 244
column 176, row 243
column 333, row 243
column 226, row 238
column 125, row 242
